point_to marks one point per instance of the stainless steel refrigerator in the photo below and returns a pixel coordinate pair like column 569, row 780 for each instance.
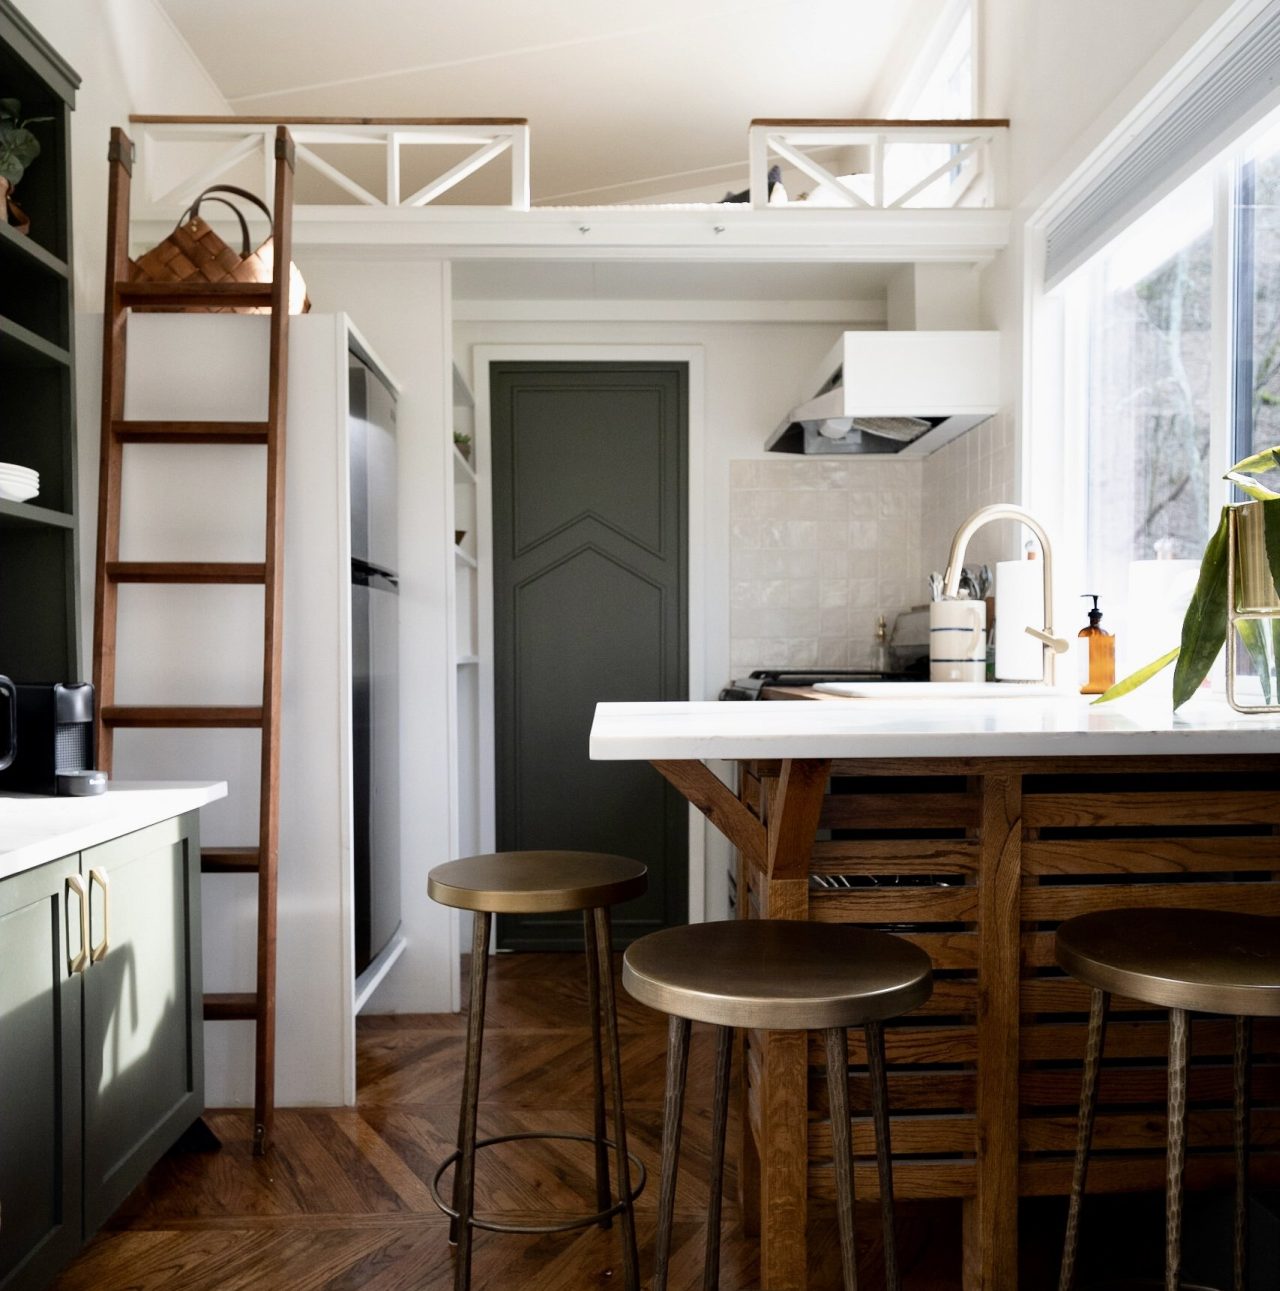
column 374, row 661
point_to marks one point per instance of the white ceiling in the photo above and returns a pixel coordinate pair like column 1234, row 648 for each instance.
column 625, row 102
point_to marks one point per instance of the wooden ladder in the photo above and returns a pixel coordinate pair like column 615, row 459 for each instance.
column 122, row 295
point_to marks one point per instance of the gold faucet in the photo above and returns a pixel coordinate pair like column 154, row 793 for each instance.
column 1053, row 645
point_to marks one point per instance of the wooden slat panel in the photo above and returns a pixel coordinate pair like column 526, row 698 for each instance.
column 1079, row 810
column 1048, row 1041
column 1049, row 1176
column 190, row 432
column 908, row 1091
column 895, row 905
column 914, row 1179
column 900, row 811
column 1205, row 1129
column 1149, row 855
column 190, row 717
column 895, row 856
column 909, row 1135
column 907, row 1045
column 947, row 950
column 1065, row 901
column 1061, row 1087
column 1066, row 995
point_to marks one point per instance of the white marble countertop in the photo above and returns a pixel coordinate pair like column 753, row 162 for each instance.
column 1061, row 726
column 35, row 829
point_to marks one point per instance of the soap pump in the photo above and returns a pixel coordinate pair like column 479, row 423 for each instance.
column 1097, row 653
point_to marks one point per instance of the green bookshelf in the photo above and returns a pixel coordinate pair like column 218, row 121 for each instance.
column 39, row 573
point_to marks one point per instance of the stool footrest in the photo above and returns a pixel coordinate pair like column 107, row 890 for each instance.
column 566, row 1226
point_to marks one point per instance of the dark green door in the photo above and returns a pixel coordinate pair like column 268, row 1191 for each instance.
column 40, row 1115
column 143, row 1024
column 589, row 568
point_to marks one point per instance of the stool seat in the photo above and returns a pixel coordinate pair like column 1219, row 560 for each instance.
column 777, row 974
column 536, row 882
column 1204, row 961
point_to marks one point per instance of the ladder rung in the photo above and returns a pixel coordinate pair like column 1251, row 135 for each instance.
column 185, row 571
column 194, row 295
column 229, row 860
column 231, row 1007
column 188, row 716
column 190, row 432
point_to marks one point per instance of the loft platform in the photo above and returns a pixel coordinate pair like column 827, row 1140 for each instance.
column 882, row 190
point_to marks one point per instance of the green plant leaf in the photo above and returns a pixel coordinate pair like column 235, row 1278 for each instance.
column 1271, row 534
column 1204, row 629
column 1255, row 641
column 1259, row 464
column 1136, row 679
column 10, row 109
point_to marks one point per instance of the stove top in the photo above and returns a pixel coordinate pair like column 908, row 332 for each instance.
column 750, row 688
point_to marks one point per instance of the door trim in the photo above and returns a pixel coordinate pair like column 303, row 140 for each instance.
column 483, row 356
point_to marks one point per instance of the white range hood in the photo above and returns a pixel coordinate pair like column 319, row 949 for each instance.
column 905, row 393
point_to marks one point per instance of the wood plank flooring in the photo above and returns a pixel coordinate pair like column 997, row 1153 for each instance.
column 342, row 1201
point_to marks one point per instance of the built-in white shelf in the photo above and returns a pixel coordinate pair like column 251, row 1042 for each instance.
column 464, row 558
column 462, row 466
column 467, row 660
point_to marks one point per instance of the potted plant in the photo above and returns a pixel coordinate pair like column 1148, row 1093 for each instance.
column 18, row 149
column 463, row 442
column 1238, row 590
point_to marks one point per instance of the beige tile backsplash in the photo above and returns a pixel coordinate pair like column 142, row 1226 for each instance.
column 821, row 546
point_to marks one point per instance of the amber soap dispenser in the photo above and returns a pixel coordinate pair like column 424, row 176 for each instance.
column 1097, row 653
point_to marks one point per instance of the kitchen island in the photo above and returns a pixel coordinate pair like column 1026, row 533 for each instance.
column 973, row 827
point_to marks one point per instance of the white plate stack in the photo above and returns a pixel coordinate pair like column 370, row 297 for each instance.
column 18, row 483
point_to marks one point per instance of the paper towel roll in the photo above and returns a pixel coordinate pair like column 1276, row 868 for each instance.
column 1019, row 605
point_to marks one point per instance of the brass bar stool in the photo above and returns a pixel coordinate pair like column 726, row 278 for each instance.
column 1186, row 961
column 777, row 975
column 540, row 883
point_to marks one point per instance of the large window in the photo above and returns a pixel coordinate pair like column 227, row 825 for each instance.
column 1173, row 371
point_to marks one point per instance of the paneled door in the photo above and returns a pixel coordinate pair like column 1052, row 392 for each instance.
column 590, row 604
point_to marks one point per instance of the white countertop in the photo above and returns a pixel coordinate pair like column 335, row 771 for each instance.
column 36, row 829
column 1062, row 726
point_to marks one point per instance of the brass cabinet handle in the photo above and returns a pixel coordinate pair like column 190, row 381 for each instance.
column 76, row 963
column 99, row 951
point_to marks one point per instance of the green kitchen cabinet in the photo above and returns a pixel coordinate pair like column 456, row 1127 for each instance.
column 143, row 1009
column 41, row 938
column 101, row 1037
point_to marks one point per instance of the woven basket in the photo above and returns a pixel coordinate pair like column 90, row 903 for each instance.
column 193, row 252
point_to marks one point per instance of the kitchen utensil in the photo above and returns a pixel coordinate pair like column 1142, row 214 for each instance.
column 935, row 586
column 958, row 641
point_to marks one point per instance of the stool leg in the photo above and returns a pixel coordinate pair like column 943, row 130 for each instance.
column 884, row 1152
column 1098, row 1004
column 464, row 1179
column 672, row 1115
column 1240, row 1072
column 630, row 1256
column 719, row 1127
column 1177, row 1149
column 842, row 1148
column 603, row 1198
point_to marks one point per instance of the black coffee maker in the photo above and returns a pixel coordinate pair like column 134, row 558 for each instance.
column 50, row 739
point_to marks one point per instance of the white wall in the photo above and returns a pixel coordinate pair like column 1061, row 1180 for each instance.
column 402, row 307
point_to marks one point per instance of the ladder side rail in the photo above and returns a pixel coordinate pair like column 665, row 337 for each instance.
column 273, row 609
column 120, row 156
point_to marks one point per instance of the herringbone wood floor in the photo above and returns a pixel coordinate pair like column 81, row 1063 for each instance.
column 342, row 1201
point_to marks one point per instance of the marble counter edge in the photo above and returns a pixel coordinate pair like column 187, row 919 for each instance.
column 37, row 829
column 700, row 730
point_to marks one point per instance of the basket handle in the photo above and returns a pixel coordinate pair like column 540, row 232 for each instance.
column 194, row 209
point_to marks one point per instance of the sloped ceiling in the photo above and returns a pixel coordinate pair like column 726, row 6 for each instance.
column 626, row 102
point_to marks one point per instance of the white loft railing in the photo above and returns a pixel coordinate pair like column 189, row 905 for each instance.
column 937, row 164
column 235, row 141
